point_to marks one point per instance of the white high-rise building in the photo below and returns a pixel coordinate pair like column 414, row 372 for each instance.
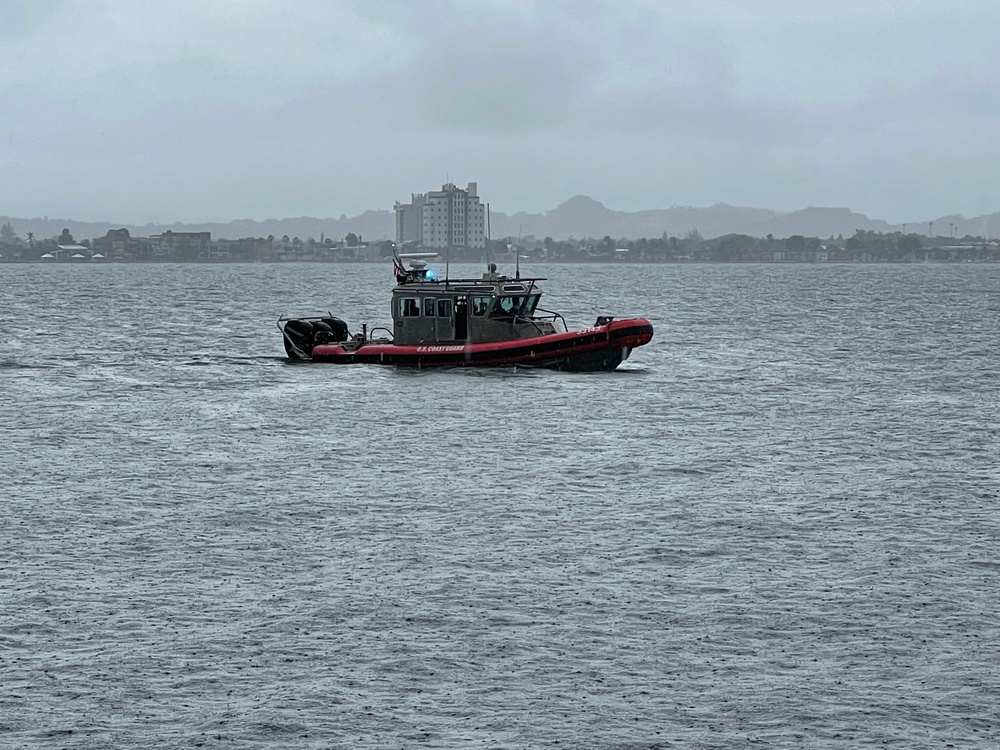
column 445, row 218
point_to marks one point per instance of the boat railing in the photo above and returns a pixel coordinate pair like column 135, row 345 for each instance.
column 548, row 317
column 387, row 339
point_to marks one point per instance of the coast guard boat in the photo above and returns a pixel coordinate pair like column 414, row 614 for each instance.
column 480, row 322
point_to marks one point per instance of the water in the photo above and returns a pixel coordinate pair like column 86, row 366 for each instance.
column 775, row 526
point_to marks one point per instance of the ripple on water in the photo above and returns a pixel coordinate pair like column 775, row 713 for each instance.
column 775, row 526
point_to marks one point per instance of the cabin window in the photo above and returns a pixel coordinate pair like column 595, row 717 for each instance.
column 480, row 305
column 429, row 307
column 506, row 306
column 444, row 308
column 530, row 304
column 409, row 307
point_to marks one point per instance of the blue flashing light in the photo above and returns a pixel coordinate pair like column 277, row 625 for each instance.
column 431, row 274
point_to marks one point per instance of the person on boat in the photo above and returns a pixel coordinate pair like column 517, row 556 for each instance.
column 410, row 307
column 506, row 306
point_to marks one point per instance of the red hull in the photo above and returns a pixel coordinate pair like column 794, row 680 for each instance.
column 597, row 348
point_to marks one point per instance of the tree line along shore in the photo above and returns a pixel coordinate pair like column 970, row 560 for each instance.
column 192, row 247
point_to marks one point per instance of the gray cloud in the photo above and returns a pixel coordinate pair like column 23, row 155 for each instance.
column 23, row 19
column 230, row 108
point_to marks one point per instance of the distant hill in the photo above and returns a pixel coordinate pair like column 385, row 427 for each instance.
column 582, row 216
column 820, row 222
column 579, row 217
column 371, row 225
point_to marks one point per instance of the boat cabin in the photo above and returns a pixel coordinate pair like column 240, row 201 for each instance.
column 427, row 310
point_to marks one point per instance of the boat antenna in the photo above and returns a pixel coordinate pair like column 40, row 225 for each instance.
column 487, row 236
column 447, row 255
column 517, row 253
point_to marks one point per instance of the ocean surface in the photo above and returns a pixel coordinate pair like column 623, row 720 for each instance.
column 776, row 526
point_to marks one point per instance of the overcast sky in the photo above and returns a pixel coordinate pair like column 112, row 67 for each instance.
column 187, row 110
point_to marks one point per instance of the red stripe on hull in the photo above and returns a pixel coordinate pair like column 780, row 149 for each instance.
column 597, row 348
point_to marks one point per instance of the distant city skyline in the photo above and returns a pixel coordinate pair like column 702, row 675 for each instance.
column 226, row 110
column 580, row 216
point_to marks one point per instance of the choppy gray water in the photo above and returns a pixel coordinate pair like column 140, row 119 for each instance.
column 777, row 526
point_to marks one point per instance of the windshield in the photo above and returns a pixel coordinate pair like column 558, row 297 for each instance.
column 530, row 304
column 507, row 306
column 480, row 305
